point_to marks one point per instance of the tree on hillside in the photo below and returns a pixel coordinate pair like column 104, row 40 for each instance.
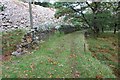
column 97, row 15
column 116, row 7
column 68, row 10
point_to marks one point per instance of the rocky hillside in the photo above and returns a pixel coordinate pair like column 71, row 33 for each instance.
column 16, row 15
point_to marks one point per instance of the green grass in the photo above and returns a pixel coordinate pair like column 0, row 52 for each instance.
column 105, row 49
column 10, row 40
column 0, row 54
column 62, row 56
column 0, row 43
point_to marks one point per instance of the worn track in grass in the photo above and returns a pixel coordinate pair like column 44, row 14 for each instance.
column 59, row 57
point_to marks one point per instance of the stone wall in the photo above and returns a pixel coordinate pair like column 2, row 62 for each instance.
column 32, row 40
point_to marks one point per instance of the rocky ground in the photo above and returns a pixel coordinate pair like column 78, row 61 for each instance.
column 16, row 15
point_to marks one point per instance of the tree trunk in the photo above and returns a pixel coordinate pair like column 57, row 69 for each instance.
column 102, row 29
column 118, row 15
column 115, row 28
column 96, row 29
column 94, row 22
column 31, row 18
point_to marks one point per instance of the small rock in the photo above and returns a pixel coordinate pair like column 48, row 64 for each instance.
column 15, row 53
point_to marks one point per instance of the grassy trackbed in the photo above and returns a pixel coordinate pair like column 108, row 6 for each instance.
column 59, row 57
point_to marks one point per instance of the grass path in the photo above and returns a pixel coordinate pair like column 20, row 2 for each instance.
column 58, row 57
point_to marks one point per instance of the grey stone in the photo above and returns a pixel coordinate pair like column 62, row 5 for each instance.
column 15, row 53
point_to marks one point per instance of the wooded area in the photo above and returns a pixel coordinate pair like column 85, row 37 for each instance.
column 44, row 39
column 98, row 16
